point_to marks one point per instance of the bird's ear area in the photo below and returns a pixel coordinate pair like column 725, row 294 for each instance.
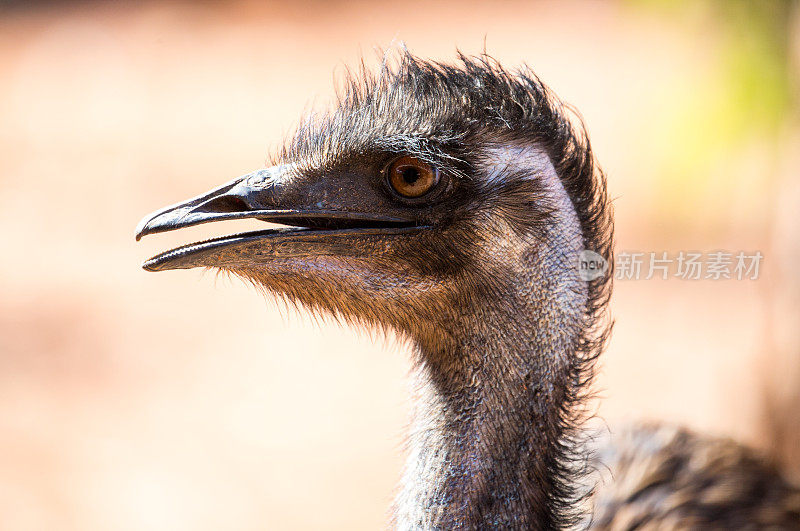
column 524, row 204
column 520, row 184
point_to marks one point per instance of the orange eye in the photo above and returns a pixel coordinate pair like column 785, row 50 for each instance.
column 411, row 177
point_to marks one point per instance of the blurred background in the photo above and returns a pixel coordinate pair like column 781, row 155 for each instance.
column 134, row 401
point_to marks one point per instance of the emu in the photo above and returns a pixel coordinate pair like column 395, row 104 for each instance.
column 450, row 203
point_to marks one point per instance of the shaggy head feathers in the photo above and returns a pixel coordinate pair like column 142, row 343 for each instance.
column 439, row 112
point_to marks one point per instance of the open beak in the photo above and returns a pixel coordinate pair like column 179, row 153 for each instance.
column 254, row 196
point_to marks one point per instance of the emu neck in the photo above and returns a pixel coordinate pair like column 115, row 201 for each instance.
column 489, row 438
column 487, row 434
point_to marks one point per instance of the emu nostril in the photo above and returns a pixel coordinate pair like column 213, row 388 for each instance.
column 224, row 203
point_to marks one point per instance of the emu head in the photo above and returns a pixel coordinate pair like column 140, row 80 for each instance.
column 421, row 196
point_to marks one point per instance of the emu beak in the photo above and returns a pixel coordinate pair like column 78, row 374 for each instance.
column 258, row 195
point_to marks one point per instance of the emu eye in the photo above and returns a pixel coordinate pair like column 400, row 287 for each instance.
column 411, row 177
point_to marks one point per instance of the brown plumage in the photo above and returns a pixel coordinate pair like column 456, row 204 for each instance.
column 451, row 205
column 665, row 477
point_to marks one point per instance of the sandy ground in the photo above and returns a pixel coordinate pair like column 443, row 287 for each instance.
column 184, row 401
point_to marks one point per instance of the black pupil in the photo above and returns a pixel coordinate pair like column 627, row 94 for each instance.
column 410, row 175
